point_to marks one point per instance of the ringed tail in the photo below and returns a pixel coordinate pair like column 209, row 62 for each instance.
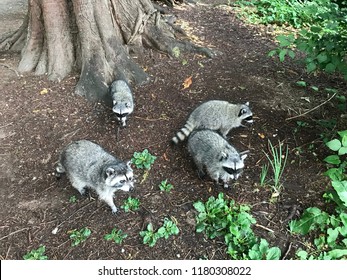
column 184, row 132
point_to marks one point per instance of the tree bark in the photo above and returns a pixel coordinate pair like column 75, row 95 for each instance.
column 94, row 37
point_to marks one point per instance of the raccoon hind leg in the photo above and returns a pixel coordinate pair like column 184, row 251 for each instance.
column 79, row 185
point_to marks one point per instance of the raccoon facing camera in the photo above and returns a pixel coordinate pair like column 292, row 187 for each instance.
column 122, row 100
column 88, row 165
column 211, row 152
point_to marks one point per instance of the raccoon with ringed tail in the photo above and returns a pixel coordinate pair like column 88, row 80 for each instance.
column 88, row 165
column 211, row 152
column 123, row 101
column 217, row 115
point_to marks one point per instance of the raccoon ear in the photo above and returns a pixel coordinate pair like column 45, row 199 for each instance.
column 110, row 171
column 247, row 103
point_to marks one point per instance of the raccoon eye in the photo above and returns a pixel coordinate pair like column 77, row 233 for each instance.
column 122, row 181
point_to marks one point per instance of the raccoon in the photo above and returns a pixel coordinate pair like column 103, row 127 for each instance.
column 215, row 115
column 88, row 165
column 123, row 102
column 212, row 152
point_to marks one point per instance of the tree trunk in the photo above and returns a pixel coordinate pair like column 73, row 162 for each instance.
column 94, row 37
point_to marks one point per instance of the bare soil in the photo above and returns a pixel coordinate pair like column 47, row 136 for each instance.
column 39, row 117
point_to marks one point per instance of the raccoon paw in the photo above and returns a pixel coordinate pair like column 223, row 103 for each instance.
column 114, row 210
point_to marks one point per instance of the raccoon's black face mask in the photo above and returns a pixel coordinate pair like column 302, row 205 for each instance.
column 235, row 173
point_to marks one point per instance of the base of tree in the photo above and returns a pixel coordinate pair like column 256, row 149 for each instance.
column 93, row 38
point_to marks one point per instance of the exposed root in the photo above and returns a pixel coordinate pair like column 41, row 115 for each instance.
column 15, row 41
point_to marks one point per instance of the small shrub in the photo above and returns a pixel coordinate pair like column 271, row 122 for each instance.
column 131, row 204
column 165, row 186
column 79, row 236
column 116, row 235
column 143, row 160
column 169, row 228
column 151, row 237
column 222, row 218
column 37, row 254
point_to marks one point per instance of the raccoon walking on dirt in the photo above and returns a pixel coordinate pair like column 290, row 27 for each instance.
column 212, row 152
column 216, row 115
column 123, row 101
column 88, row 165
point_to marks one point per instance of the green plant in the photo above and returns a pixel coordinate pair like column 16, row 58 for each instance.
column 151, row 237
column 263, row 174
column 116, row 235
column 143, row 160
column 222, row 218
column 131, row 204
column 79, row 236
column 262, row 251
column 169, row 228
column 165, row 186
column 72, row 199
column 321, row 34
column 37, row 254
column 330, row 242
column 277, row 160
column 337, row 169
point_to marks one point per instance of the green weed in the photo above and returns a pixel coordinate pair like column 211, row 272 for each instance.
column 329, row 229
column 116, row 235
column 222, row 218
column 150, row 236
column 143, row 160
column 263, row 174
column 277, row 161
column 37, row 254
column 165, row 186
column 131, row 204
column 79, row 236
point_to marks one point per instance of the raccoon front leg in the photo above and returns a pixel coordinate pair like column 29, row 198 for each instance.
column 108, row 198
column 59, row 170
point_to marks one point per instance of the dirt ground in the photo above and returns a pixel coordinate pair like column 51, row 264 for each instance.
column 39, row 117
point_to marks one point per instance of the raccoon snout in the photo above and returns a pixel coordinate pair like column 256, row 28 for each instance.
column 131, row 189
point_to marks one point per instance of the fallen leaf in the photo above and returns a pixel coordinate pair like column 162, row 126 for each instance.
column 44, row 91
column 187, row 82
column 165, row 157
column 261, row 135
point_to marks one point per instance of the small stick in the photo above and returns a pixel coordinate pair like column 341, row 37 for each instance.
column 14, row 232
column 270, row 230
column 315, row 108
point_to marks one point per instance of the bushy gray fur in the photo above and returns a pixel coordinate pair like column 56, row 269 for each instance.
column 212, row 152
column 88, row 165
column 216, row 115
column 123, row 101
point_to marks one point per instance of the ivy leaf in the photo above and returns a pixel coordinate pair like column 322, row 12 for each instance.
column 273, row 253
column 282, row 54
column 311, row 67
column 333, row 159
column 334, row 145
column 330, row 67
